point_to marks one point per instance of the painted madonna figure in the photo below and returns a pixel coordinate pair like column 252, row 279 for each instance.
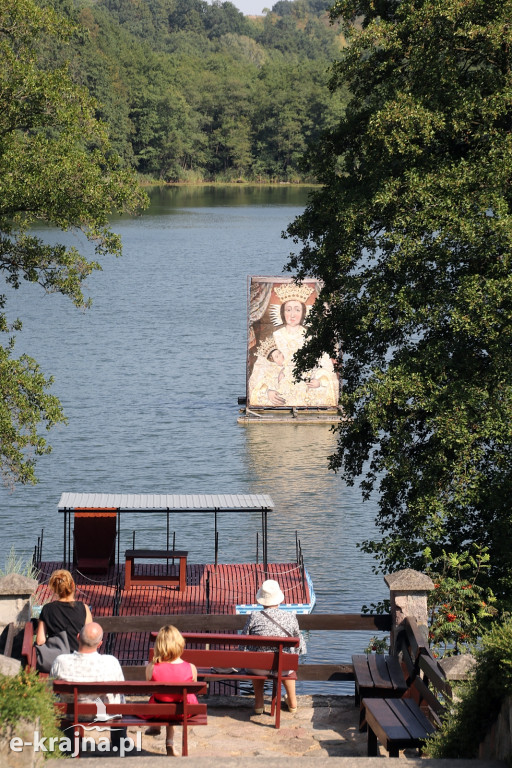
column 272, row 382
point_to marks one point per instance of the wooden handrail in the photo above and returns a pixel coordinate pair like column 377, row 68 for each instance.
column 232, row 623
column 217, row 622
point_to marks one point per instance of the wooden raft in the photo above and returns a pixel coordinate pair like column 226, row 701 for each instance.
column 209, row 589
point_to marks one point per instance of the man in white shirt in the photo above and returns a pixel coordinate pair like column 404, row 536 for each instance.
column 87, row 665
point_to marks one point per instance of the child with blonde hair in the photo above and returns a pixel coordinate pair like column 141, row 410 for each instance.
column 168, row 667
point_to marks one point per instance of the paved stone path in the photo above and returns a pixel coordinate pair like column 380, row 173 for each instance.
column 322, row 734
column 322, row 726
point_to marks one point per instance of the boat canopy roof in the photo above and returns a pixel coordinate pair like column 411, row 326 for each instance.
column 148, row 502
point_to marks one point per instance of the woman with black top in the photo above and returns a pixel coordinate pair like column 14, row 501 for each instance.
column 65, row 613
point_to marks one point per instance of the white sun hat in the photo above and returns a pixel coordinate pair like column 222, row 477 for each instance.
column 269, row 593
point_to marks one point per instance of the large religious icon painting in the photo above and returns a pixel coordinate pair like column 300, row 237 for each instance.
column 277, row 309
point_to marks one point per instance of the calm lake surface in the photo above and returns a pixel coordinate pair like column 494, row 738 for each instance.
column 149, row 378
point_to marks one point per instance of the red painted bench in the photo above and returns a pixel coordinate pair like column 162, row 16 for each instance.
column 81, row 713
column 28, row 650
column 226, row 654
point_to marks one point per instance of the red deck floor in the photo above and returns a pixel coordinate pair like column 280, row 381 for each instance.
column 229, row 585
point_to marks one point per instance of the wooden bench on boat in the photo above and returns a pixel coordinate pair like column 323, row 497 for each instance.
column 166, row 580
column 226, row 661
column 94, row 539
column 81, row 713
column 407, row 722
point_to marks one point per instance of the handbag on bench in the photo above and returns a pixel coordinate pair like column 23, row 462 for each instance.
column 48, row 652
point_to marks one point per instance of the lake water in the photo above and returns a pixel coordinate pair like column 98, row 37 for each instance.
column 149, row 378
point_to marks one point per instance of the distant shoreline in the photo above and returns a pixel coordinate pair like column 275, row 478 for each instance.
column 156, row 183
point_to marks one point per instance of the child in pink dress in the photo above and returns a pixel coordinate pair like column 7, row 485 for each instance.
column 168, row 667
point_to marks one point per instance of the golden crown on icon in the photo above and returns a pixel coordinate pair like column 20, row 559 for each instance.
column 294, row 292
column 267, row 346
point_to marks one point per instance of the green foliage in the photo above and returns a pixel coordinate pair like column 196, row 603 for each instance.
column 56, row 166
column 479, row 699
column 459, row 609
column 16, row 564
column 380, row 608
column 27, row 697
column 411, row 232
column 377, row 645
column 192, row 90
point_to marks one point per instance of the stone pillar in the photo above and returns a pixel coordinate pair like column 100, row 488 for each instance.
column 408, row 591
column 15, row 593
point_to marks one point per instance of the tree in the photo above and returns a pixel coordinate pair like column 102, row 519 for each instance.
column 411, row 233
column 56, row 166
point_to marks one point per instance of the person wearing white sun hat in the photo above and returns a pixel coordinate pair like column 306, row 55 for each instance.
column 273, row 621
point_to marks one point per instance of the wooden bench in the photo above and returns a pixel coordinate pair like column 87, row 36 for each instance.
column 28, row 649
column 28, row 652
column 81, row 713
column 407, row 722
column 378, row 675
column 166, row 580
column 226, row 654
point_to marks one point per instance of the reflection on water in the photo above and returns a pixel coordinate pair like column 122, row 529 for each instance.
column 149, row 379
column 330, row 518
column 169, row 199
column 291, row 461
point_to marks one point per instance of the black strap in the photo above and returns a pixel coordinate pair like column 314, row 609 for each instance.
column 289, row 634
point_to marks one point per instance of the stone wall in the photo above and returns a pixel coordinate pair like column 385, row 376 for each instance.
column 15, row 593
column 27, row 757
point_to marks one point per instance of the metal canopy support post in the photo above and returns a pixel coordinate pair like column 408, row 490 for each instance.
column 264, row 543
column 216, row 540
column 65, row 536
column 167, row 543
column 71, row 543
column 118, row 529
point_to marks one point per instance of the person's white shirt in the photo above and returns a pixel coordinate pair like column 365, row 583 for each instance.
column 88, row 668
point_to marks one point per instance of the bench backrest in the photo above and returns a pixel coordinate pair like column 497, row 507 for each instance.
column 76, row 707
column 410, row 645
column 28, row 651
column 431, row 689
column 226, row 651
column 425, row 677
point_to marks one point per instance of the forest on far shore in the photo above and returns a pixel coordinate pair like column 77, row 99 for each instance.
column 196, row 92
